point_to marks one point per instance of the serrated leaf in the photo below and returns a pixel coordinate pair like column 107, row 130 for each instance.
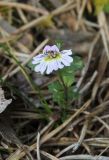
column 77, row 63
column 72, row 94
column 68, row 80
column 57, row 91
column 55, row 86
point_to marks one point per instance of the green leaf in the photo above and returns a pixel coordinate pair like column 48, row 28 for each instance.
column 68, row 73
column 99, row 5
column 68, row 80
column 58, row 94
column 55, row 87
column 57, row 91
column 106, row 8
column 77, row 63
column 72, row 94
column 59, row 43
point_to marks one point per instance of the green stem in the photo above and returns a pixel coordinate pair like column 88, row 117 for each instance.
column 65, row 89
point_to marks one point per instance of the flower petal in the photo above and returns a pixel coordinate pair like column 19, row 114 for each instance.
column 43, row 68
column 54, row 48
column 62, row 59
column 46, row 49
column 40, row 56
column 65, row 62
column 37, row 59
column 54, row 65
column 59, row 64
column 38, row 67
column 67, row 58
column 67, row 52
column 49, row 68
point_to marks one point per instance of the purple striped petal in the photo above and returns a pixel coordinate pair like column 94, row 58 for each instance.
column 54, row 48
column 67, row 52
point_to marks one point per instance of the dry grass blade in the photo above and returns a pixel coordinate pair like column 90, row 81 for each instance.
column 75, row 146
column 83, row 157
column 54, row 132
column 101, row 69
column 85, row 69
column 38, row 124
column 51, row 157
column 104, row 32
column 23, row 6
column 36, row 51
column 38, row 146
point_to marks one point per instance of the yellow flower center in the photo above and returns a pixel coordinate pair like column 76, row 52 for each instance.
column 52, row 56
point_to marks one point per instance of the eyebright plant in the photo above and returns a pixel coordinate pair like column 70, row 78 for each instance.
column 63, row 63
column 52, row 59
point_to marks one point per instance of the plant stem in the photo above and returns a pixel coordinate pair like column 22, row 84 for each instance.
column 65, row 89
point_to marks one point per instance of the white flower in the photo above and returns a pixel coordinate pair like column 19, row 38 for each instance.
column 52, row 59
